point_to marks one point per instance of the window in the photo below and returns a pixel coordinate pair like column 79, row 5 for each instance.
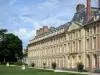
column 94, row 28
column 95, row 57
column 64, row 47
column 69, row 46
column 94, row 42
column 87, row 32
column 73, row 35
column 79, row 32
column 73, row 46
column 79, row 45
column 68, row 36
column 89, row 61
column 87, row 44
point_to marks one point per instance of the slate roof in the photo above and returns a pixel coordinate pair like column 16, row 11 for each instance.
column 64, row 26
column 79, row 17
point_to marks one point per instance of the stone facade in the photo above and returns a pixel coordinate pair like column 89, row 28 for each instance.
column 68, row 44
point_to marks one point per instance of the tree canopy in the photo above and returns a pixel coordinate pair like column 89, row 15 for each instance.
column 10, row 46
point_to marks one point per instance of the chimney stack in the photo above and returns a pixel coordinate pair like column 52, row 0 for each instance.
column 42, row 30
column 79, row 7
column 98, row 3
column 37, row 32
column 88, row 10
column 45, row 29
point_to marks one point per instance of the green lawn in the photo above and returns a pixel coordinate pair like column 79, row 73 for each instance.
column 28, row 71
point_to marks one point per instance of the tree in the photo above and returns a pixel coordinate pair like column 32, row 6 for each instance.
column 14, row 44
column 10, row 47
column 3, row 50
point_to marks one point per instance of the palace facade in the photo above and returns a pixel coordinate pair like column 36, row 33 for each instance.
column 70, row 43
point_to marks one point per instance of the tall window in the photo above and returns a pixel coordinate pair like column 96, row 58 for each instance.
column 69, row 46
column 95, row 58
column 94, row 42
column 68, row 37
column 87, row 44
column 87, row 32
column 94, row 28
column 73, row 35
column 73, row 46
column 80, row 45
column 79, row 32
column 64, row 47
column 89, row 61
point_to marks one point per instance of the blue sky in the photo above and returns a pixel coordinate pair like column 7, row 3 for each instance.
column 24, row 17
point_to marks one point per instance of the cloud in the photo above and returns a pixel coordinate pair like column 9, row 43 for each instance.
column 23, row 17
column 24, row 34
column 52, row 21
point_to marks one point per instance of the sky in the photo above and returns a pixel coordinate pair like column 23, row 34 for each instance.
column 24, row 17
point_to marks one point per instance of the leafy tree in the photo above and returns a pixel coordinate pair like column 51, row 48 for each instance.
column 10, row 46
column 14, row 44
column 3, row 51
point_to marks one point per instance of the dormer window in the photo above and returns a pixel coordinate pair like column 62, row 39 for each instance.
column 81, row 20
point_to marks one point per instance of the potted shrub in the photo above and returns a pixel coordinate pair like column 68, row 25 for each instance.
column 54, row 65
column 80, row 66
column 44, row 65
column 33, row 64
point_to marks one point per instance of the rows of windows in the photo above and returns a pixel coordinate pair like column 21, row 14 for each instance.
column 92, row 30
column 74, row 34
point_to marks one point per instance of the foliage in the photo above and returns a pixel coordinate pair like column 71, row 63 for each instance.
column 10, row 47
column 44, row 65
column 17, row 63
column 25, row 55
column 54, row 65
column 80, row 66
column 33, row 64
column 97, row 70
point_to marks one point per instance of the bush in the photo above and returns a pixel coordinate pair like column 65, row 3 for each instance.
column 97, row 70
column 11, row 63
column 33, row 64
column 54, row 65
column 80, row 67
column 25, row 64
column 18, row 63
column 3, row 63
column 44, row 65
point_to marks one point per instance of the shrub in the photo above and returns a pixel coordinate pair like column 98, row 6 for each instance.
column 44, row 65
column 25, row 64
column 80, row 66
column 54, row 65
column 3, row 63
column 33, row 64
column 18, row 63
column 97, row 70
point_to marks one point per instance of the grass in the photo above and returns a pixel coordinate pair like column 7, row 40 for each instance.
column 28, row 71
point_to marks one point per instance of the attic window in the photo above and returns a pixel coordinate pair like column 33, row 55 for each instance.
column 81, row 20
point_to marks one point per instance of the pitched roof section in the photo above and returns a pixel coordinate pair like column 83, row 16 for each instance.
column 64, row 26
column 81, row 16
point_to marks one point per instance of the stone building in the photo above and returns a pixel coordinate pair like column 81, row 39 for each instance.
column 70, row 43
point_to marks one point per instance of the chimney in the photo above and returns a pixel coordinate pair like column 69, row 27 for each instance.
column 45, row 29
column 41, row 31
column 37, row 32
column 88, row 10
column 98, row 3
column 79, row 7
